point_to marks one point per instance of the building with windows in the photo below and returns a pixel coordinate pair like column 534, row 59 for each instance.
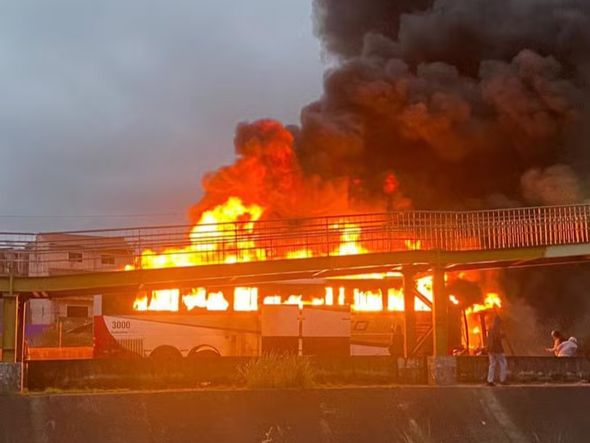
column 64, row 253
column 14, row 261
column 59, row 254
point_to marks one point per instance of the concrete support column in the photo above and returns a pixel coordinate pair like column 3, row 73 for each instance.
column 11, row 375
column 409, row 313
column 442, row 368
column 9, row 330
column 440, row 313
column 10, row 371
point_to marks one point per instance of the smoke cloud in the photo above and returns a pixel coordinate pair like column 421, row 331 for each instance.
column 552, row 186
column 461, row 98
column 343, row 24
column 472, row 103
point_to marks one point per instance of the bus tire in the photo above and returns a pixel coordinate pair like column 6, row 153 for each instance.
column 203, row 352
column 165, row 353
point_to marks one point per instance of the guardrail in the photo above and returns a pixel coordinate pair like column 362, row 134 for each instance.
column 38, row 254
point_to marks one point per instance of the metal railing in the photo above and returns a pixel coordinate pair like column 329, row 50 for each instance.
column 165, row 246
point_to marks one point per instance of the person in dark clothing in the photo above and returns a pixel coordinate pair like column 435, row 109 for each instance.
column 396, row 347
column 496, row 352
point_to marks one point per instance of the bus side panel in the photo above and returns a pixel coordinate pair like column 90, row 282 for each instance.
column 104, row 343
column 326, row 330
column 279, row 325
column 371, row 332
column 129, row 335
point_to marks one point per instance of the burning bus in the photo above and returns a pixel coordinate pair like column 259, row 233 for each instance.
column 345, row 315
column 315, row 317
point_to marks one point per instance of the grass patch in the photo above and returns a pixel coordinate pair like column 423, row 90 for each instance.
column 278, row 371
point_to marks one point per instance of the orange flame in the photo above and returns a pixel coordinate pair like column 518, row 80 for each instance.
column 246, row 299
column 232, row 225
column 413, row 245
column 367, row 301
column 395, row 300
column 160, row 300
column 298, row 300
column 349, row 240
column 492, row 301
column 300, row 253
column 216, row 225
column 198, row 298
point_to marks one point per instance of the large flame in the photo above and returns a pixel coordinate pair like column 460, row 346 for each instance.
column 225, row 234
column 217, row 226
column 233, row 225
column 492, row 301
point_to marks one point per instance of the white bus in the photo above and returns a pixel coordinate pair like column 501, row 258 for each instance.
column 301, row 318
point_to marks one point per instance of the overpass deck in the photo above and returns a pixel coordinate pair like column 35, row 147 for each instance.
column 271, row 250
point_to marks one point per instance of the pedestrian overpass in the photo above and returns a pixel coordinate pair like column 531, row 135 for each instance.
column 246, row 252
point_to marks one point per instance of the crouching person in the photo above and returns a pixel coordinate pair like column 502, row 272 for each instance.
column 568, row 348
column 496, row 353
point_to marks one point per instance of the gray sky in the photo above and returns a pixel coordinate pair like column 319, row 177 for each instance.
column 118, row 107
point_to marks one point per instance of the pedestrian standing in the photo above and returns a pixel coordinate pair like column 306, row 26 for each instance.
column 496, row 353
column 396, row 346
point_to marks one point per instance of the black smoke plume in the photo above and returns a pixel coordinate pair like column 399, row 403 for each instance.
column 343, row 24
column 462, row 99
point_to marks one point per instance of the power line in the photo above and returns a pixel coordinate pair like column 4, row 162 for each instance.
column 170, row 214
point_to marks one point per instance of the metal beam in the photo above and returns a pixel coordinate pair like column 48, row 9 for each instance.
column 260, row 271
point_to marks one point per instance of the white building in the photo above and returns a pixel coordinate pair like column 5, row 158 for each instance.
column 60, row 254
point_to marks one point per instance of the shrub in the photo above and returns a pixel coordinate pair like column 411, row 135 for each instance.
column 278, row 371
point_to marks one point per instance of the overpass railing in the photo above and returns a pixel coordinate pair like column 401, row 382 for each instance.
column 165, row 246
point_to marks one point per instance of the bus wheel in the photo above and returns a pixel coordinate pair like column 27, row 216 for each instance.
column 203, row 352
column 165, row 353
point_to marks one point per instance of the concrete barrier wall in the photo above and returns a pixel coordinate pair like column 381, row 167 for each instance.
column 527, row 369
column 403, row 414
column 10, row 377
column 188, row 373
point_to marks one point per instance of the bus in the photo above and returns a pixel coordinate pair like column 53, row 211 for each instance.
column 301, row 317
